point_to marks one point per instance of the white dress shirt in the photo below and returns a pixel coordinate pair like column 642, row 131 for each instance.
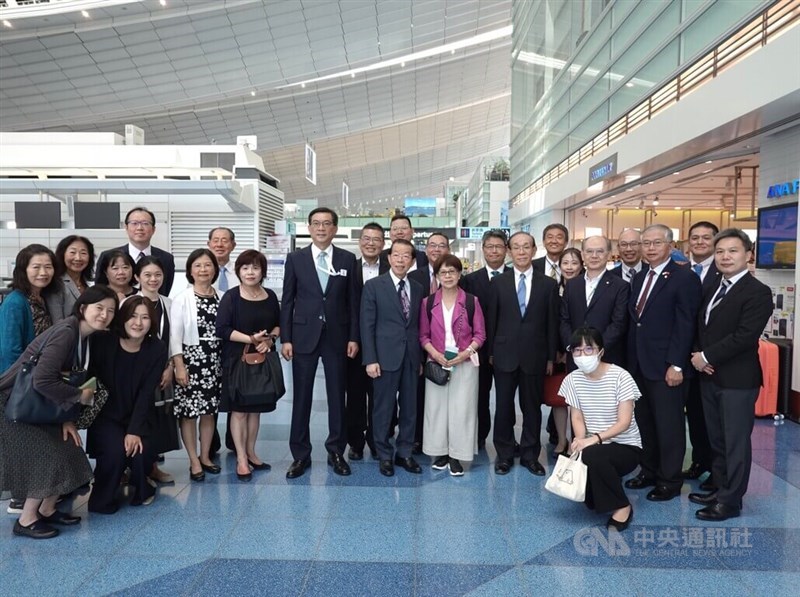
column 625, row 269
column 369, row 271
column 134, row 252
column 706, row 263
column 396, row 282
column 228, row 271
column 591, row 286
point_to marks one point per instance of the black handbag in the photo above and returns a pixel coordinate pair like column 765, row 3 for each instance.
column 436, row 373
column 26, row 405
column 256, row 379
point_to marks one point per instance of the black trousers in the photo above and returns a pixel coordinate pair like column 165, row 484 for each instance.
column 531, row 389
column 730, row 414
column 659, row 415
column 698, row 435
column 395, row 389
column 304, row 370
column 106, row 441
column 360, row 406
column 606, row 464
column 420, row 409
column 485, row 378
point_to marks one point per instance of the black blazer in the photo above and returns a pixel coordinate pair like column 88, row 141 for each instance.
column 712, row 280
column 422, row 259
column 382, row 269
column 516, row 341
column 663, row 335
column 729, row 341
column 479, row 284
column 167, row 263
column 607, row 312
column 305, row 310
column 386, row 336
column 422, row 276
column 540, row 265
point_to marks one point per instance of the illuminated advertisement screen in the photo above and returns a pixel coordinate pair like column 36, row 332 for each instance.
column 420, row 206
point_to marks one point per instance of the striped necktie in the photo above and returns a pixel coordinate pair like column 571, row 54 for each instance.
column 723, row 289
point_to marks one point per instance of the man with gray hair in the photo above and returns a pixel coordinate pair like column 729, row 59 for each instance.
column 222, row 242
column 663, row 306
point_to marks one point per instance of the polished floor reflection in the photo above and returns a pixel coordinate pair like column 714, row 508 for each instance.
column 429, row 534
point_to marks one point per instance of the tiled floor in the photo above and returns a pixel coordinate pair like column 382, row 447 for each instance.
column 427, row 534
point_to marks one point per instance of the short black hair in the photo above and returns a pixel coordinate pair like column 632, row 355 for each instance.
column 586, row 335
column 704, row 224
column 735, row 233
column 324, row 210
column 19, row 278
column 396, row 217
column 144, row 209
column 90, row 296
column 571, row 251
column 556, row 227
column 438, row 233
column 498, row 234
column 108, row 258
column 88, row 272
column 251, row 257
column 228, row 230
column 374, row 226
column 405, row 243
column 144, row 262
column 194, row 256
column 125, row 312
column 517, row 233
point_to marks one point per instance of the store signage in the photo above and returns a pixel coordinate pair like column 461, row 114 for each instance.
column 477, row 232
column 784, row 189
column 605, row 169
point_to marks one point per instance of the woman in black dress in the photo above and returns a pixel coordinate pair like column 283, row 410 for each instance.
column 42, row 462
column 115, row 269
column 129, row 362
column 248, row 315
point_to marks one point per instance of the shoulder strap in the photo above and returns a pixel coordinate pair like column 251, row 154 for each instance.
column 470, row 308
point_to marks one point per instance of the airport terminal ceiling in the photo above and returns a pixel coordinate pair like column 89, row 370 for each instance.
column 396, row 97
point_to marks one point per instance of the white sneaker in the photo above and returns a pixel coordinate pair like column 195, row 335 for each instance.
column 15, row 506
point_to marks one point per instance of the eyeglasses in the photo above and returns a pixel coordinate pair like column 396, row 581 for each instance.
column 654, row 243
column 587, row 350
column 631, row 245
column 448, row 272
column 139, row 223
column 371, row 240
column 325, row 224
column 493, row 247
column 399, row 228
column 437, row 246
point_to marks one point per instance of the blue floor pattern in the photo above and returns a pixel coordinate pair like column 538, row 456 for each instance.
column 428, row 534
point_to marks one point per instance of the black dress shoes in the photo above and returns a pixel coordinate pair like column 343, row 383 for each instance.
column 662, row 493
column 409, row 464
column 259, row 467
column 354, row 454
column 61, row 518
column 387, row 468
column 297, row 468
column 35, row 530
column 214, row 469
column 709, row 484
column 704, row 499
column 640, row 482
column 717, row 512
column 533, row 466
column 244, row 478
column 502, row 467
column 620, row 526
column 416, row 448
column 197, row 477
column 339, row 464
column 694, row 471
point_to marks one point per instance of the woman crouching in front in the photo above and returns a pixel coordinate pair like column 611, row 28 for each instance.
column 129, row 362
column 601, row 398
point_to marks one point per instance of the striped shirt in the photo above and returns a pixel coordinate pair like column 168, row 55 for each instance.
column 598, row 400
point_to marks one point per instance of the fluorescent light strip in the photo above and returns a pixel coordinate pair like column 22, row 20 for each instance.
column 451, row 47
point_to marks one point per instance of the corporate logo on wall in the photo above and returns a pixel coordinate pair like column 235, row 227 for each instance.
column 784, row 189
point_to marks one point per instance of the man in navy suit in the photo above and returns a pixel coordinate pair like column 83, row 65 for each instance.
column 522, row 324
column 629, row 245
column 663, row 308
column 140, row 224
column 555, row 238
column 701, row 260
column 730, row 322
column 360, row 398
column 390, row 307
column 319, row 318
column 478, row 283
column 599, row 300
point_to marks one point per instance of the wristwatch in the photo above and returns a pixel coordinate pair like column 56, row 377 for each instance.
column 676, row 368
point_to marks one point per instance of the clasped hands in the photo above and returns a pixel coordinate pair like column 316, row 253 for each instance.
column 699, row 363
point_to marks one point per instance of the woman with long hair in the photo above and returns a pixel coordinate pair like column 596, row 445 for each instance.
column 74, row 267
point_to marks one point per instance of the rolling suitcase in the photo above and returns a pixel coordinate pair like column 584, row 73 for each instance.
column 767, row 402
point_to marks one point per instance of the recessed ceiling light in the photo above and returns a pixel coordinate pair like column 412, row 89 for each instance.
column 628, row 84
column 706, row 171
column 352, row 75
column 452, row 178
column 162, row 2
column 402, row 64
column 676, row 173
column 253, row 93
column 85, row 14
column 710, row 162
column 7, row 23
column 303, row 85
column 676, row 207
column 452, row 52
column 652, row 182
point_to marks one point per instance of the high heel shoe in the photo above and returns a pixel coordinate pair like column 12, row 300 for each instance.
column 259, row 467
column 201, row 476
column 214, row 469
column 620, row 526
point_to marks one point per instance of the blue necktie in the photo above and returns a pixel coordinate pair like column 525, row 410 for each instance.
column 223, row 280
column 322, row 270
column 495, row 273
column 698, row 269
column 521, row 294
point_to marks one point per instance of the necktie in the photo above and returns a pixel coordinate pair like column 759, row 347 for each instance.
column 698, row 269
column 223, row 279
column 640, row 305
column 521, row 294
column 405, row 304
column 629, row 274
column 495, row 273
column 722, row 290
column 322, row 270
column 434, row 285
column 141, row 254
column 553, row 271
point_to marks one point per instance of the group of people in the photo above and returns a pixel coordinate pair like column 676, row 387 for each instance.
column 562, row 330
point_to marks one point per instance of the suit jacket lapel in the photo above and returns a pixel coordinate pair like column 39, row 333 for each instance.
column 601, row 287
column 658, row 284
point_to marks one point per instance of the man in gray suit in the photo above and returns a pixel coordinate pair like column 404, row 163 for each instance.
column 390, row 307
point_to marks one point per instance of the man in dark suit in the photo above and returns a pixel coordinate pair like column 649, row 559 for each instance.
column 663, row 308
column 598, row 300
column 522, row 325
column 400, row 228
column 391, row 352
column 360, row 399
column 555, row 238
column 478, row 283
column 730, row 322
column 701, row 260
column 319, row 318
column 140, row 224
column 629, row 246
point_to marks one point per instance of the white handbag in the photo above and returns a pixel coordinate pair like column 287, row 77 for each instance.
column 569, row 478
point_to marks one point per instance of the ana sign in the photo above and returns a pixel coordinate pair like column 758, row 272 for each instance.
column 784, row 189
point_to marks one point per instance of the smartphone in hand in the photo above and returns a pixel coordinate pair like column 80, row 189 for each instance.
column 90, row 384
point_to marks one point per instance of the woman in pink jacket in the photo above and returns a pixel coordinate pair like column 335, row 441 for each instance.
column 451, row 330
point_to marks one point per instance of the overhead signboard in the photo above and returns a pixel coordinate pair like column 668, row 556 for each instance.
column 477, row 232
column 605, row 169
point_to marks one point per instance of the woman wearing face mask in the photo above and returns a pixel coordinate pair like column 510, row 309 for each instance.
column 129, row 362
column 74, row 265
column 115, row 269
column 601, row 397
column 42, row 462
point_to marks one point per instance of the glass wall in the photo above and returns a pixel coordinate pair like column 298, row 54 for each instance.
column 581, row 64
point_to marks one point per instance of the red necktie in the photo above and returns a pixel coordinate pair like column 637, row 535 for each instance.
column 643, row 299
